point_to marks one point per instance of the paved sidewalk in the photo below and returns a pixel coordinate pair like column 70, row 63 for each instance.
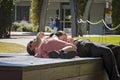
column 21, row 38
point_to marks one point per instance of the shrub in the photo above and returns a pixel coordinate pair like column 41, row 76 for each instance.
column 22, row 26
column 48, row 29
column 116, row 15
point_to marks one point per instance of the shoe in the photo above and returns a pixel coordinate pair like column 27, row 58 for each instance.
column 53, row 54
column 67, row 55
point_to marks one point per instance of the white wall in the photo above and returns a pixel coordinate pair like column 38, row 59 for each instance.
column 51, row 11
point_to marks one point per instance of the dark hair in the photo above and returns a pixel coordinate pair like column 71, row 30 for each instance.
column 51, row 34
column 31, row 52
column 58, row 33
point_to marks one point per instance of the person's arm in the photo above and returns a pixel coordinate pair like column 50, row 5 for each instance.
column 67, row 46
column 68, row 49
column 39, row 50
column 39, row 36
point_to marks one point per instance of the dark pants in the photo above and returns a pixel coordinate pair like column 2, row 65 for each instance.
column 116, row 51
column 89, row 49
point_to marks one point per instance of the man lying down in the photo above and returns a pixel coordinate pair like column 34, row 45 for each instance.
column 59, row 46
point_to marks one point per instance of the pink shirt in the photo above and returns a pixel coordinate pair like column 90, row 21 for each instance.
column 49, row 45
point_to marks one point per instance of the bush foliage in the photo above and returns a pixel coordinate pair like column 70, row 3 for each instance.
column 81, row 6
column 6, row 8
column 35, row 12
column 116, row 14
column 22, row 26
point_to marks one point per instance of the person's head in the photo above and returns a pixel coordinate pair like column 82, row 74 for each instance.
column 51, row 19
column 31, row 47
column 61, row 35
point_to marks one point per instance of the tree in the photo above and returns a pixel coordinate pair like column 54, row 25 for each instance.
column 80, row 13
column 116, row 14
column 35, row 12
column 81, row 7
column 5, row 18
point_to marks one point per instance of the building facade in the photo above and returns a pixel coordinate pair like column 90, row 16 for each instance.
column 21, row 11
column 65, row 9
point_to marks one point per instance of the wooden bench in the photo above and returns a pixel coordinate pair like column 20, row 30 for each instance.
column 24, row 67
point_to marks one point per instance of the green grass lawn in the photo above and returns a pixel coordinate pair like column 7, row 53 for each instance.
column 11, row 48
column 103, row 39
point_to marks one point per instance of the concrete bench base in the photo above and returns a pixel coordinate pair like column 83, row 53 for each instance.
column 23, row 67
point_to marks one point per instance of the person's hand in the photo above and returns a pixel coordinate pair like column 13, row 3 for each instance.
column 40, row 35
column 70, row 40
column 76, row 57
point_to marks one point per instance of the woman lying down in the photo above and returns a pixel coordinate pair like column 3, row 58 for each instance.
column 53, row 46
